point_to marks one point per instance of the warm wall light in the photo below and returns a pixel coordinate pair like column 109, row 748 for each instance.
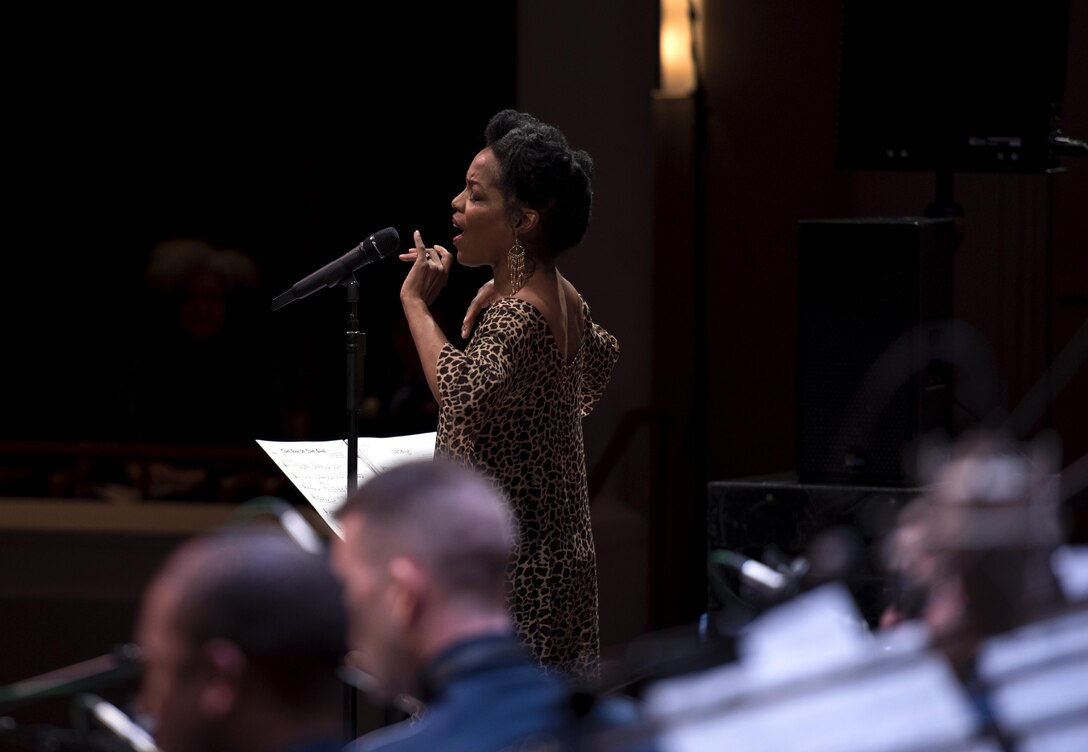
column 677, row 60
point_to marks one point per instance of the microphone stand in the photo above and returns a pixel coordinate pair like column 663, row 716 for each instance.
column 373, row 248
column 356, row 351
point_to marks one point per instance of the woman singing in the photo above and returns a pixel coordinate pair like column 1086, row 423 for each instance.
column 511, row 404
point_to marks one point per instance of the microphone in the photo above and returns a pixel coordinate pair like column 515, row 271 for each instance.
column 376, row 247
column 121, row 725
column 289, row 518
column 768, row 581
column 123, row 663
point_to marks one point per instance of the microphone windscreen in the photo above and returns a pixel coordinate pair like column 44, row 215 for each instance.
column 386, row 241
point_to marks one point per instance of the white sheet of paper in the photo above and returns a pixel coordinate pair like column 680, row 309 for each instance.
column 814, row 632
column 1070, row 564
column 1056, row 692
column 318, row 469
column 917, row 706
column 384, row 453
column 1053, row 640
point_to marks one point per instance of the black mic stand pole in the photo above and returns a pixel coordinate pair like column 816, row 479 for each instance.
column 356, row 350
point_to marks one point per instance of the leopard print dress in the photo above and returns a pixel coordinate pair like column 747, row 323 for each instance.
column 512, row 408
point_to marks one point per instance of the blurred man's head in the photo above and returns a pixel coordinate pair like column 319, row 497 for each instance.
column 424, row 562
column 242, row 634
column 976, row 546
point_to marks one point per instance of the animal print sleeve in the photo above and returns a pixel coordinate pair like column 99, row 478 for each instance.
column 601, row 352
column 471, row 383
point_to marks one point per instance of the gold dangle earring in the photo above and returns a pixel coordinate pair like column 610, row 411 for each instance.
column 515, row 260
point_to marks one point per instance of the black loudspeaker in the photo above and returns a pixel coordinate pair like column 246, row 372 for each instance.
column 966, row 85
column 874, row 345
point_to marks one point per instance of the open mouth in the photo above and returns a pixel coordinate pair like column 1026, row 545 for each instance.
column 460, row 234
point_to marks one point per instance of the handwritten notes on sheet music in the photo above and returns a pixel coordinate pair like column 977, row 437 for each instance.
column 318, row 469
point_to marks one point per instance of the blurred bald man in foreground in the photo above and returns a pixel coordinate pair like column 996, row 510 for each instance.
column 424, row 562
column 242, row 634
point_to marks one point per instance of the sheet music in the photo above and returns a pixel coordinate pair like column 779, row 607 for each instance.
column 318, row 469
column 810, row 677
column 383, row 453
column 1053, row 640
column 1070, row 564
column 911, row 706
column 779, row 644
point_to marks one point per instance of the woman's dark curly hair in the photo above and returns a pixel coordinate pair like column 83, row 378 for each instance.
column 542, row 172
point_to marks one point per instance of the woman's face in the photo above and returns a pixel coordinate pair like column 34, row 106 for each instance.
column 481, row 214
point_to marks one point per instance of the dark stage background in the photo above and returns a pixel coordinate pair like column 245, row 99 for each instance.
column 288, row 139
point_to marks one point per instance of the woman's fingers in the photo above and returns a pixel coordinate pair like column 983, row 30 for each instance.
column 422, row 253
column 421, row 248
column 430, row 269
column 483, row 299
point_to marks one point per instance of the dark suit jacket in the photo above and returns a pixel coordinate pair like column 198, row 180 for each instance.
column 487, row 694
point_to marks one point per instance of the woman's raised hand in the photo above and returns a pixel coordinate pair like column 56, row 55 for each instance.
column 484, row 297
column 429, row 272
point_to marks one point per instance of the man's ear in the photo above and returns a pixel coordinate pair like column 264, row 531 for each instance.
column 408, row 583
column 226, row 671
